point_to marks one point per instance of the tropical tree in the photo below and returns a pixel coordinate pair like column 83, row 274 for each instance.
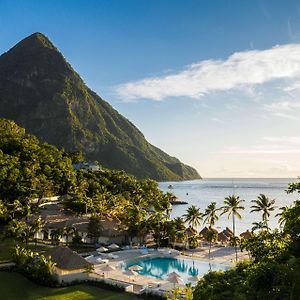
column 265, row 205
column 193, row 216
column 95, row 228
column 210, row 214
column 3, row 210
column 211, row 236
column 260, row 226
column 232, row 207
column 177, row 231
column 36, row 226
column 282, row 216
column 69, row 231
column 15, row 208
column 56, row 235
column 193, row 242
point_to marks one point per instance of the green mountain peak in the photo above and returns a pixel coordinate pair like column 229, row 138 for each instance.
column 41, row 92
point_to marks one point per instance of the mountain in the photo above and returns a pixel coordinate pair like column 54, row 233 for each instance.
column 41, row 92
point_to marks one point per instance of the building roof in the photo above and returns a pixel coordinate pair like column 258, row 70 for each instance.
column 222, row 237
column 245, row 234
column 191, row 231
column 57, row 218
column 230, row 232
column 66, row 259
column 204, row 231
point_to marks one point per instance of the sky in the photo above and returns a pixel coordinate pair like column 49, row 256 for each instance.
column 214, row 83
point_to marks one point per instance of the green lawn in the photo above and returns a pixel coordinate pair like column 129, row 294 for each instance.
column 14, row 286
column 6, row 248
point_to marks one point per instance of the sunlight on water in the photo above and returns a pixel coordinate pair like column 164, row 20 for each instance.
column 202, row 192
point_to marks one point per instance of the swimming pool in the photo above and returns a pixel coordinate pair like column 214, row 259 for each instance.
column 160, row 267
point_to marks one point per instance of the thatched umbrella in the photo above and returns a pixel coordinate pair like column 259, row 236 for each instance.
column 135, row 268
column 108, row 268
column 222, row 237
column 204, row 231
column 102, row 249
column 173, row 274
column 229, row 231
column 246, row 234
column 130, row 273
column 191, row 231
column 175, row 280
column 195, row 278
column 113, row 246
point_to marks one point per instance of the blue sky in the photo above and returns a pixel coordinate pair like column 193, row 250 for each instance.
column 214, row 83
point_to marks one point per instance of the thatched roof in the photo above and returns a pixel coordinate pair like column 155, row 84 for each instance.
column 66, row 259
column 204, row 231
column 245, row 234
column 222, row 237
column 228, row 232
column 191, row 231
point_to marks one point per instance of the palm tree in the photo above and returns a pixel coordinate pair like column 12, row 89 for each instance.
column 211, row 236
column 193, row 216
column 282, row 216
column 265, row 205
column 259, row 226
column 210, row 214
column 232, row 207
column 177, row 230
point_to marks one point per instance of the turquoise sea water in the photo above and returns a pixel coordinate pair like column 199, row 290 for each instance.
column 202, row 192
column 161, row 267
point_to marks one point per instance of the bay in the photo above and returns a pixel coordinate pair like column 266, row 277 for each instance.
column 202, row 192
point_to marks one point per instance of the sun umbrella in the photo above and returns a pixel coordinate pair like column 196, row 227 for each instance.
column 195, row 278
column 175, row 280
column 173, row 274
column 130, row 273
column 108, row 268
column 135, row 268
column 113, row 246
column 101, row 249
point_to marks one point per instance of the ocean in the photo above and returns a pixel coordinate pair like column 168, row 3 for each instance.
column 203, row 192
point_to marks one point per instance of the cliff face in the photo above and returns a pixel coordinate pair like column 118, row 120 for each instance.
column 41, row 92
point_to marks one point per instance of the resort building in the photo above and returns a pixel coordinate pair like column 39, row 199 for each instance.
column 57, row 220
column 69, row 265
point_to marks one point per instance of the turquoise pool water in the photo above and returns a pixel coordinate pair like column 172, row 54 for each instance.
column 160, row 267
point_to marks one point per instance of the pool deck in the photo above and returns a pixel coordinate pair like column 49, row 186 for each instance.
column 220, row 255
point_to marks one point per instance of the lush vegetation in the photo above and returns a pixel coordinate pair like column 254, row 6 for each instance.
column 14, row 286
column 274, row 269
column 47, row 97
column 34, row 265
column 31, row 170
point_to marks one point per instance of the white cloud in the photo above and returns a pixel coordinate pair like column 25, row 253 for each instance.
column 284, row 109
column 282, row 106
column 274, row 145
column 262, row 149
column 217, row 120
column 240, row 70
